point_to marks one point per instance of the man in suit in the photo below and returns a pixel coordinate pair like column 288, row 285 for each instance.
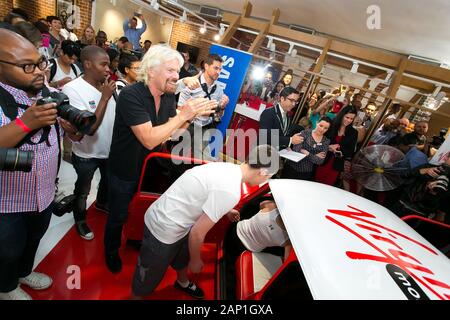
column 278, row 119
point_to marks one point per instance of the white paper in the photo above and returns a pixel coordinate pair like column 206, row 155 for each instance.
column 291, row 155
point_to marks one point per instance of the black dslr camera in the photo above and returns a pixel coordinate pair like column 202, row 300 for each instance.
column 16, row 160
column 82, row 120
column 443, row 179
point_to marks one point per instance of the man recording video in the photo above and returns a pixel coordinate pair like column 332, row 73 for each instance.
column 25, row 197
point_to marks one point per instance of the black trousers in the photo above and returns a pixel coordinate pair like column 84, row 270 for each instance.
column 120, row 194
column 85, row 169
column 20, row 234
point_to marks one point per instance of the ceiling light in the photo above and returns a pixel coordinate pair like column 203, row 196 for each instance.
column 354, row 68
column 222, row 30
column 183, row 18
column 269, row 43
column 217, row 37
column 203, row 29
column 155, row 4
column 258, row 73
column 294, row 53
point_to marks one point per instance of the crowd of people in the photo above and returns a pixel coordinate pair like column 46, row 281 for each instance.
column 131, row 90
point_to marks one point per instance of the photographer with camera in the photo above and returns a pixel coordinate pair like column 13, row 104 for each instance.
column 426, row 192
column 211, row 90
column 25, row 197
column 92, row 92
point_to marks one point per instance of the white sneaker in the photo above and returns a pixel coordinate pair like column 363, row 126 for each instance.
column 37, row 281
column 16, row 294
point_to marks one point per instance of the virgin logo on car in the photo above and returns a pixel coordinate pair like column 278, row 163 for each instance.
column 404, row 268
column 406, row 283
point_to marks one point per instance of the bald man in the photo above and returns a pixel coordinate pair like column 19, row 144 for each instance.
column 92, row 92
column 25, row 198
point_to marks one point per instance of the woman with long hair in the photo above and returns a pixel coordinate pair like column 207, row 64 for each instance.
column 343, row 138
column 88, row 37
column 274, row 95
column 314, row 146
column 287, row 78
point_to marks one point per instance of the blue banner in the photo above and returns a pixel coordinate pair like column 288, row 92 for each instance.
column 231, row 79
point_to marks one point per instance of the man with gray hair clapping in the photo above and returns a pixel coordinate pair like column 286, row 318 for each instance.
column 146, row 116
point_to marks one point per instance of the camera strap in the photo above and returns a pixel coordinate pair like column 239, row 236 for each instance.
column 10, row 109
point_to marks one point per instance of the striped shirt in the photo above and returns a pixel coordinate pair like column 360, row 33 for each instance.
column 35, row 190
column 309, row 144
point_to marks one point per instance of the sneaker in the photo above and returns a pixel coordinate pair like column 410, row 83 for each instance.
column 191, row 289
column 16, row 294
column 37, row 281
column 84, row 231
column 113, row 262
column 101, row 207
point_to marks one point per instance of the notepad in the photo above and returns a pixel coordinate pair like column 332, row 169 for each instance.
column 291, row 155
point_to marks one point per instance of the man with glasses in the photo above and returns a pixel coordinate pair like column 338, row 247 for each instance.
column 210, row 89
column 25, row 198
column 277, row 123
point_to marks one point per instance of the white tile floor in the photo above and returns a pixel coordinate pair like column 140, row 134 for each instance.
column 60, row 225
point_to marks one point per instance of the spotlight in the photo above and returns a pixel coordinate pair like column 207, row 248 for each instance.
column 222, row 30
column 258, row 73
column 217, row 37
column 354, row 68
column 183, row 18
column 203, row 29
column 155, row 4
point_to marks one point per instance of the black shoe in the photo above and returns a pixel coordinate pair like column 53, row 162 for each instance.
column 113, row 262
column 101, row 207
column 135, row 244
column 196, row 293
column 84, row 231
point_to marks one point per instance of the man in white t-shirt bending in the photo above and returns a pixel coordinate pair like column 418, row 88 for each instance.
column 176, row 224
column 92, row 92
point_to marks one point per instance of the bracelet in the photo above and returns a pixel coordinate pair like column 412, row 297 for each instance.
column 23, row 126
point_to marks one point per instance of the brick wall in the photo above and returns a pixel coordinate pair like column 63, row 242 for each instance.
column 190, row 34
column 5, row 7
column 43, row 8
column 36, row 8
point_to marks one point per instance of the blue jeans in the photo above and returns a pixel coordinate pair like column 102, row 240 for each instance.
column 20, row 234
column 120, row 194
column 85, row 169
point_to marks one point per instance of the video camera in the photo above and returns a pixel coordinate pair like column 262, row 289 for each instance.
column 12, row 159
column 82, row 120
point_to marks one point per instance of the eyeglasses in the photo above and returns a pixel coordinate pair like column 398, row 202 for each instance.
column 292, row 100
column 30, row 67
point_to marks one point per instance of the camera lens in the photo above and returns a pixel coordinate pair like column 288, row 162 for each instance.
column 16, row 160
column 82, row 120
column 442, row 184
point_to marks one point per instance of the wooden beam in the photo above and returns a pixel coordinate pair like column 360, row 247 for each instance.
column 247, row 9
column 423, row 86
column 428, row 71
column 371, row 55
column 322, row 57
column 259, row 39
column 230, row 31
column 275, row 16
column 295, row 35
column 397, row 80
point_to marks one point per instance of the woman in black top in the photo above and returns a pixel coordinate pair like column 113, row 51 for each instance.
column 314, row 146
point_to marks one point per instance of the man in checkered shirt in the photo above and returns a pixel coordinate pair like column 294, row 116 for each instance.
column 25, row 197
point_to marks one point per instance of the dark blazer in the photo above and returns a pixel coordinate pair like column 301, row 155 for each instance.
column 271, row 119
column 348, row 147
